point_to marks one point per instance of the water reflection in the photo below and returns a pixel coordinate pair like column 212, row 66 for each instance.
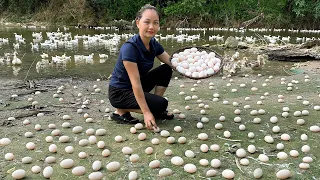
column 48, row 51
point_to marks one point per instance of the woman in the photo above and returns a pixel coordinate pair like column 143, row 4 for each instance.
column 132, row 80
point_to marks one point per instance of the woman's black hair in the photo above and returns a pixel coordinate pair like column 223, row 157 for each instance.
column 146, row 7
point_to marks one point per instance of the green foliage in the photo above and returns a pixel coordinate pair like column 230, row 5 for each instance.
column 186, row 8
column 277, row 13
column 306, row 8
column 22, row 7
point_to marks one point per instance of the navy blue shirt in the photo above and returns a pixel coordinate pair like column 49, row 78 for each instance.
column 134, row 51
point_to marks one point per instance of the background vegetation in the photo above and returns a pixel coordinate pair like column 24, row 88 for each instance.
column 187, row 13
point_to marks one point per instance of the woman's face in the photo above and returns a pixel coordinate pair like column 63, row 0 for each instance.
column 148, row 24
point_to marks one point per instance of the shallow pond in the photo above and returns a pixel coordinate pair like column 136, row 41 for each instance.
column 83, row 55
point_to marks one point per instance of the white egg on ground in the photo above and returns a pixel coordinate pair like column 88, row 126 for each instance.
column 95, row 176
column 36, row 169
column 268, row 139
column 148, row 150
column 242, row 127
column 133, row 175
column 105, row 153
column 314, row 128
column 251, row 135
column 305, row 148
column 253, row 112
column 165, row 133
column 204, row 119
column 96, row 165
column 215, row 163
column 154, row 164
column 19, row 174
column 113, row 166
column 273, row 119
column 134, row 158
column 26, row 160
column 283, row 174
column 294, row 153
column 9, row 156
column 171, row 140
column 31, row 145
column 256, row 120
column 203, row 136
column 282, row 155
column 118, row 138
column 142, row 136
column 215, row 147
column 82, row 155
column 67, row 163
column 244, row 161
column 222, row 118
column 241, row 153
column 190, row 168
column 300, row 121
column 251, row 149
column 218, row 126
column 227, row 134
column 189, row 154
column 237, row 119
column 204, row 148
column 79, row 170
column 257, row 173
column 69, row 149
column 304, row 137
column 47, row 172
column 307, row 159
column 26, row 122
column 176, row 160
column 285, row 137
column 168, row 152
column 263, row 158
column 164, row 172
column 228, row 174
column 53, row 148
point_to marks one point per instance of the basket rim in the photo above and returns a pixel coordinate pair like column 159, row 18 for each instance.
column 208, row 50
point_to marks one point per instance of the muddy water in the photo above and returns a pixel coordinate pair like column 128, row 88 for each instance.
column 103, row 67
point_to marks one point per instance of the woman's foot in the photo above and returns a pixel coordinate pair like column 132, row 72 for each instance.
column 124, row 119
column 166, row 115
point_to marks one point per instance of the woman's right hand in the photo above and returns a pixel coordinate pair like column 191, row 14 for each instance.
column 149, row 120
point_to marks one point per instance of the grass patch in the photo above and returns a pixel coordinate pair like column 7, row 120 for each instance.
column 308, row 90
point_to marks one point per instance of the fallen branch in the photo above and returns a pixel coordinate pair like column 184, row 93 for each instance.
column 260, row 161
column 233, row 140
column 238, row 164
column 32, row 114
column 32, row 91
column 29, row 68
column 286, row 71
column 62, row 106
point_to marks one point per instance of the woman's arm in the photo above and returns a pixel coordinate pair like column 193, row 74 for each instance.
column 165, row 58
column 134, row 76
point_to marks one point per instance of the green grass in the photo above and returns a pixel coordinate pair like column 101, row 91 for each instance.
column 309, row 91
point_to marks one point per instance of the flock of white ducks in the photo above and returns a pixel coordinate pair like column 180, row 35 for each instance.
column 64, row 40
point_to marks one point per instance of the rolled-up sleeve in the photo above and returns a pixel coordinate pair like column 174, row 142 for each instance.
column 128, row 53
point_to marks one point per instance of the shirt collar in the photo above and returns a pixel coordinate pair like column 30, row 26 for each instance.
column 144, row 49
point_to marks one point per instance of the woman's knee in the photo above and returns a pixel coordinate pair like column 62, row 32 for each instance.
column 158, row 105
column 163, row 104
column 167, row 69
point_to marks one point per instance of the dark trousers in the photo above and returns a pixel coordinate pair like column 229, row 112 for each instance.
column 125, row 99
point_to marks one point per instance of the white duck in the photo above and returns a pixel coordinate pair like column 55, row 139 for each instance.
column 16, row 60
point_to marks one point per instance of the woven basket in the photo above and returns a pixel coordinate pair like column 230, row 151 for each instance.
column 200, row 48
